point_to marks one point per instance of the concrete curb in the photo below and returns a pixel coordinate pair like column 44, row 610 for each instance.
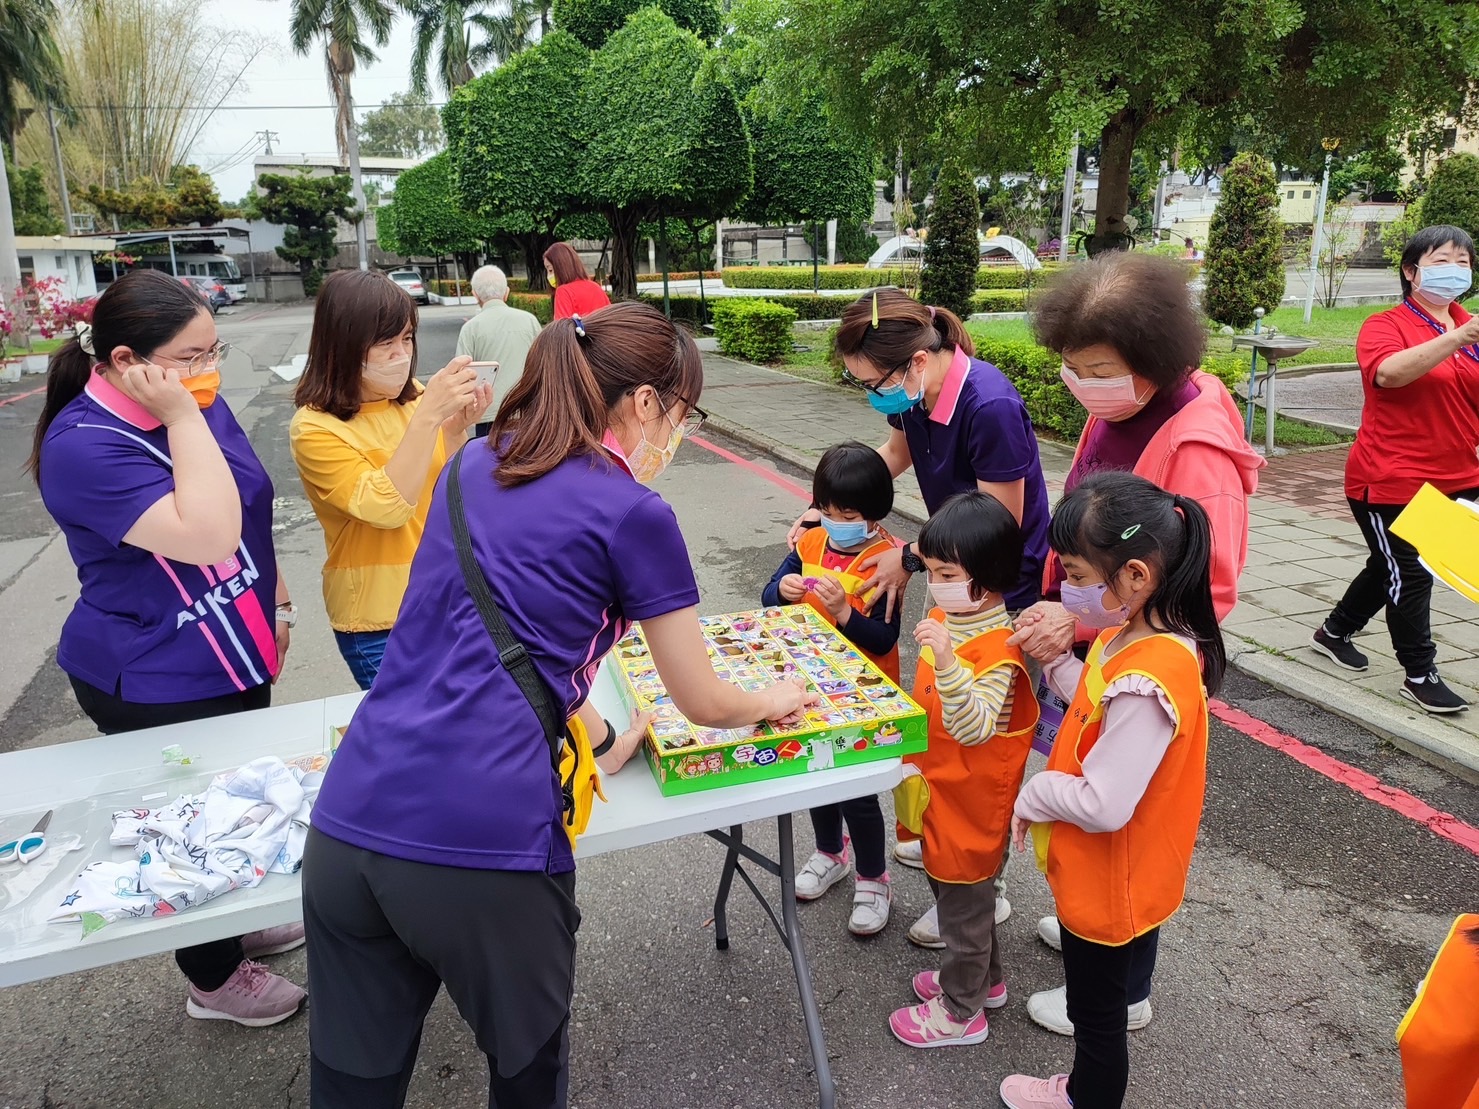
column 1410, row 730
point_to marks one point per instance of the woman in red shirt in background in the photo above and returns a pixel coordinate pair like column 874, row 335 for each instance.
column 575, row 293
column 1420, row 423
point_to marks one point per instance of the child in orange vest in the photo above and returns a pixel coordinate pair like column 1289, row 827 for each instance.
column 1439, row 1037
column 958, row 794
column 1114, row 815
column 854, row 491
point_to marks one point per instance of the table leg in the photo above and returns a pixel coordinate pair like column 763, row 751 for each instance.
column 726, row 881
column 827, row 1098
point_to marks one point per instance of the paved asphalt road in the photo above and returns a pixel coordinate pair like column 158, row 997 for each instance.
column 1311, row 916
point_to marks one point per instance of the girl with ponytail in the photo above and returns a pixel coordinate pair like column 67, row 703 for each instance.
column 442, row 796
column 1114, row 815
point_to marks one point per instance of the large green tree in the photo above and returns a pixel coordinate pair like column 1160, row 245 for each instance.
column 405, row 126
column 309, row 208
column 996, row 82
column 952, row 253
column 189, row 196
column 594, row 21
column 424, row 217
column 467, row 35
column 34, row 214
column 1245, row 265
column 1453, row 194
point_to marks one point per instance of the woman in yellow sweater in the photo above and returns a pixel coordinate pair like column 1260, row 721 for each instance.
column 369, row 442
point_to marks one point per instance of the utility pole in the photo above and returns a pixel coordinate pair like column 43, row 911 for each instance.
column 61, row 169
column 267, row 137
column 361, row 232
column 1331, row 146
column 1069, row 180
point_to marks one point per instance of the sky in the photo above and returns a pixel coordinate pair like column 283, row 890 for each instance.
column 277, row 81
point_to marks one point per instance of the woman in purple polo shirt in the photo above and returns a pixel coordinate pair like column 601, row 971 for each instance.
column 168, row 515
column 437, row 853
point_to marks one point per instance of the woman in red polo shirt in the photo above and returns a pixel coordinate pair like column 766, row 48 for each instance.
column 1420, row 423
column 575, row 293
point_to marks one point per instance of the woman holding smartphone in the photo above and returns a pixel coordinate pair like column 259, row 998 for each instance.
column 369, row 442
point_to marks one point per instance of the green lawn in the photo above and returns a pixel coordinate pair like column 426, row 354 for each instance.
column 40, row 346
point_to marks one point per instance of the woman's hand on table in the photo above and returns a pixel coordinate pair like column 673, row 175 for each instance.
column 1044, row 631
column 788, row 701
column 888, row 582
column 158, row 391
column 799, row 528
column 626, row 744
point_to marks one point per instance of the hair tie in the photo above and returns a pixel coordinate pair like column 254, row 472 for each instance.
column 84, row 339
column 579, row 327
column 932, row 313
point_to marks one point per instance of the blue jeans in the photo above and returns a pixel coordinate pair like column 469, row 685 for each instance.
column 363, row 652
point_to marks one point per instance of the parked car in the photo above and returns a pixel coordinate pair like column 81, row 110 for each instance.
column 410, row 281
column 210, row 290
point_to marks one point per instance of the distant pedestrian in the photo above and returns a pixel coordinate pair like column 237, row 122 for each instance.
column 499, row 334
column 575, row 293
column 1419, row 424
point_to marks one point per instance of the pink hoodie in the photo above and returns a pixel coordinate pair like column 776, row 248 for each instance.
column 1200, row 453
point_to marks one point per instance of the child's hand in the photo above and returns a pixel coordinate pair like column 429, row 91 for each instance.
column 834, row 599
column 1020, row 829
column 792, row 588
column 932, row 634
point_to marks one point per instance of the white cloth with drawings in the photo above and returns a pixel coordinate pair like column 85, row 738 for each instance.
column 249, row 821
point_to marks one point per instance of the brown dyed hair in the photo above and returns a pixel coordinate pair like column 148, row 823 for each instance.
column 1139, row 304
column 355, row 310
column 568, row 267
column 904, row 327
column 562, row 405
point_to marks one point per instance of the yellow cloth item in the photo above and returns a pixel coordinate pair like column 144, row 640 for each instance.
column 1446, row 535
column 579, row 773
column 370, row 530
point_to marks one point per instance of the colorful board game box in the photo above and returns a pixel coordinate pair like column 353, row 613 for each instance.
column 863, row 715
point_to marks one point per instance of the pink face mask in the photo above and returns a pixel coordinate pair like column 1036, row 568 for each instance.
column 1108, row 398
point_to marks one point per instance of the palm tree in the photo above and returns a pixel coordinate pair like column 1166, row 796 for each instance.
column 448, row 28
column 29, row 61
column 337, row 22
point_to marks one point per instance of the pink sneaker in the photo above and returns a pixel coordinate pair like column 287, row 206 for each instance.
column 273, row 941
column 253, row 996
column 1021, row 1091
column 932, row 1025
column 927, row 988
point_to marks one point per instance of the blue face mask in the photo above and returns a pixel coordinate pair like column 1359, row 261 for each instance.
column 894, row 400
column 847, row 533
column 1444, row 282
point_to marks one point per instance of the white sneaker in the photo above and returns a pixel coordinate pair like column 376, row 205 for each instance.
column 1050, row 932
column 925, row 932
column 1003, row 909
column 910, row 852
column 821, row 872
column 1049, row 1008
column 871, row 901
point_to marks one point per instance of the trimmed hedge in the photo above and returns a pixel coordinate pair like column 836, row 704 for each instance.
column 542, row 306
column 999, row 300
column 685, row 275
column 451, row 288
column 687, row 307
column 755, row 330
column 856, row 277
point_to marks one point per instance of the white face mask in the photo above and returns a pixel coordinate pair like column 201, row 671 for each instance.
column 954, row 596
column 385, row 380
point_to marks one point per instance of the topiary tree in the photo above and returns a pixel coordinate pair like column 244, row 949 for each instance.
column 309, row 207
column 952, row 253
column 855, row 242
column 594, row 21
column 423, row 217
column 1245, row 267
column 1453, row 194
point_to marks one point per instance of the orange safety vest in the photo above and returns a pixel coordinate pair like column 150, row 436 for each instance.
column 812, row 547
column 1439, row 1036
column 970, row 789
column 1111, row 887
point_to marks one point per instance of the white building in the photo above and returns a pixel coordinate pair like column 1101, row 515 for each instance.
column 67, row 257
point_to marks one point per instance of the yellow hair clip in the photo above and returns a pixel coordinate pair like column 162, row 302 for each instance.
column 875, row 310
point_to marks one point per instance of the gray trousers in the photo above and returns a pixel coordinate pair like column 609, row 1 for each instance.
column 972, row 960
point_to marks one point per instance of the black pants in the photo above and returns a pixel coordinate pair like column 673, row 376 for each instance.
column 1393, row 579
column 207, row 965
column 1098, row 979
column 385, row 933
column 864, row 818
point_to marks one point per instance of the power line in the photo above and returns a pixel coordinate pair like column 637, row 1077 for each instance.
column 241, row 107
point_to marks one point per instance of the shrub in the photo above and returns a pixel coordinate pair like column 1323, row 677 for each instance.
column 543, row 307
column 688, row 308
column 855, row 241
column 756, row 330
column 1245, row 267
column 1453, row 194
column 952, row 254
column 518, row 284
column 686, row 275
column 856, row 277
column 1033, row 370
column 451, row 288
column 999, row 300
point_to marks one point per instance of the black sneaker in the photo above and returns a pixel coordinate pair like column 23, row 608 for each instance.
column 1338, row 650
column 1431, row 694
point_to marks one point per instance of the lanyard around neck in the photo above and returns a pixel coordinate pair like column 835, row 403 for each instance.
column 1472, row 352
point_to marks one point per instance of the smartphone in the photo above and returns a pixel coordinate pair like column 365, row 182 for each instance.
column 486, row 371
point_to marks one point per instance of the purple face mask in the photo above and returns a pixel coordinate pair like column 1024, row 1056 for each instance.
column 1086, row 602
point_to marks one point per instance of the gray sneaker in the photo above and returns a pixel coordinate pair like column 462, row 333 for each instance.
column 253, row 996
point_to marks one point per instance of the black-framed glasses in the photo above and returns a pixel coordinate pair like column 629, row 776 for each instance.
column 878, row 386
column 693, row 421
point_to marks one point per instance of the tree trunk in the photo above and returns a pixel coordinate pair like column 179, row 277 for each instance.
column 623, row 223
column 1116, row 149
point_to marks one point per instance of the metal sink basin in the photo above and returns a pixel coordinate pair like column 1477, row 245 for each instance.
column 1275, row 348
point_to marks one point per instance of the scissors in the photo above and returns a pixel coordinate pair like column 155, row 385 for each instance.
column 30, row 845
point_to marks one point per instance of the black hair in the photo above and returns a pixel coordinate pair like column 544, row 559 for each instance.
column 853, row 477
column 980, row 535
column 143, row 311
column 1114, row 517
column 1430, row 238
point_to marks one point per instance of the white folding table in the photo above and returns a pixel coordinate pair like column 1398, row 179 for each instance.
column 85, row 782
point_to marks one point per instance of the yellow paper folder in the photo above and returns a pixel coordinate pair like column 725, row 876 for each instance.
column 1446, row 535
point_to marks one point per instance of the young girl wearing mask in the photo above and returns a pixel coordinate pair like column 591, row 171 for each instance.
column 958, row 794
column 369, row 442
column 1114, row 816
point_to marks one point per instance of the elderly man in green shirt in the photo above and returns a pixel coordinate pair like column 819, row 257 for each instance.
column 497, row 333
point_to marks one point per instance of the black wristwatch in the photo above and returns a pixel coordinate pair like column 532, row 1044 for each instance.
column 912, row 562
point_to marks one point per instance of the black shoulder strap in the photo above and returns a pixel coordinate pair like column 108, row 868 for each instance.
column 511, row 652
